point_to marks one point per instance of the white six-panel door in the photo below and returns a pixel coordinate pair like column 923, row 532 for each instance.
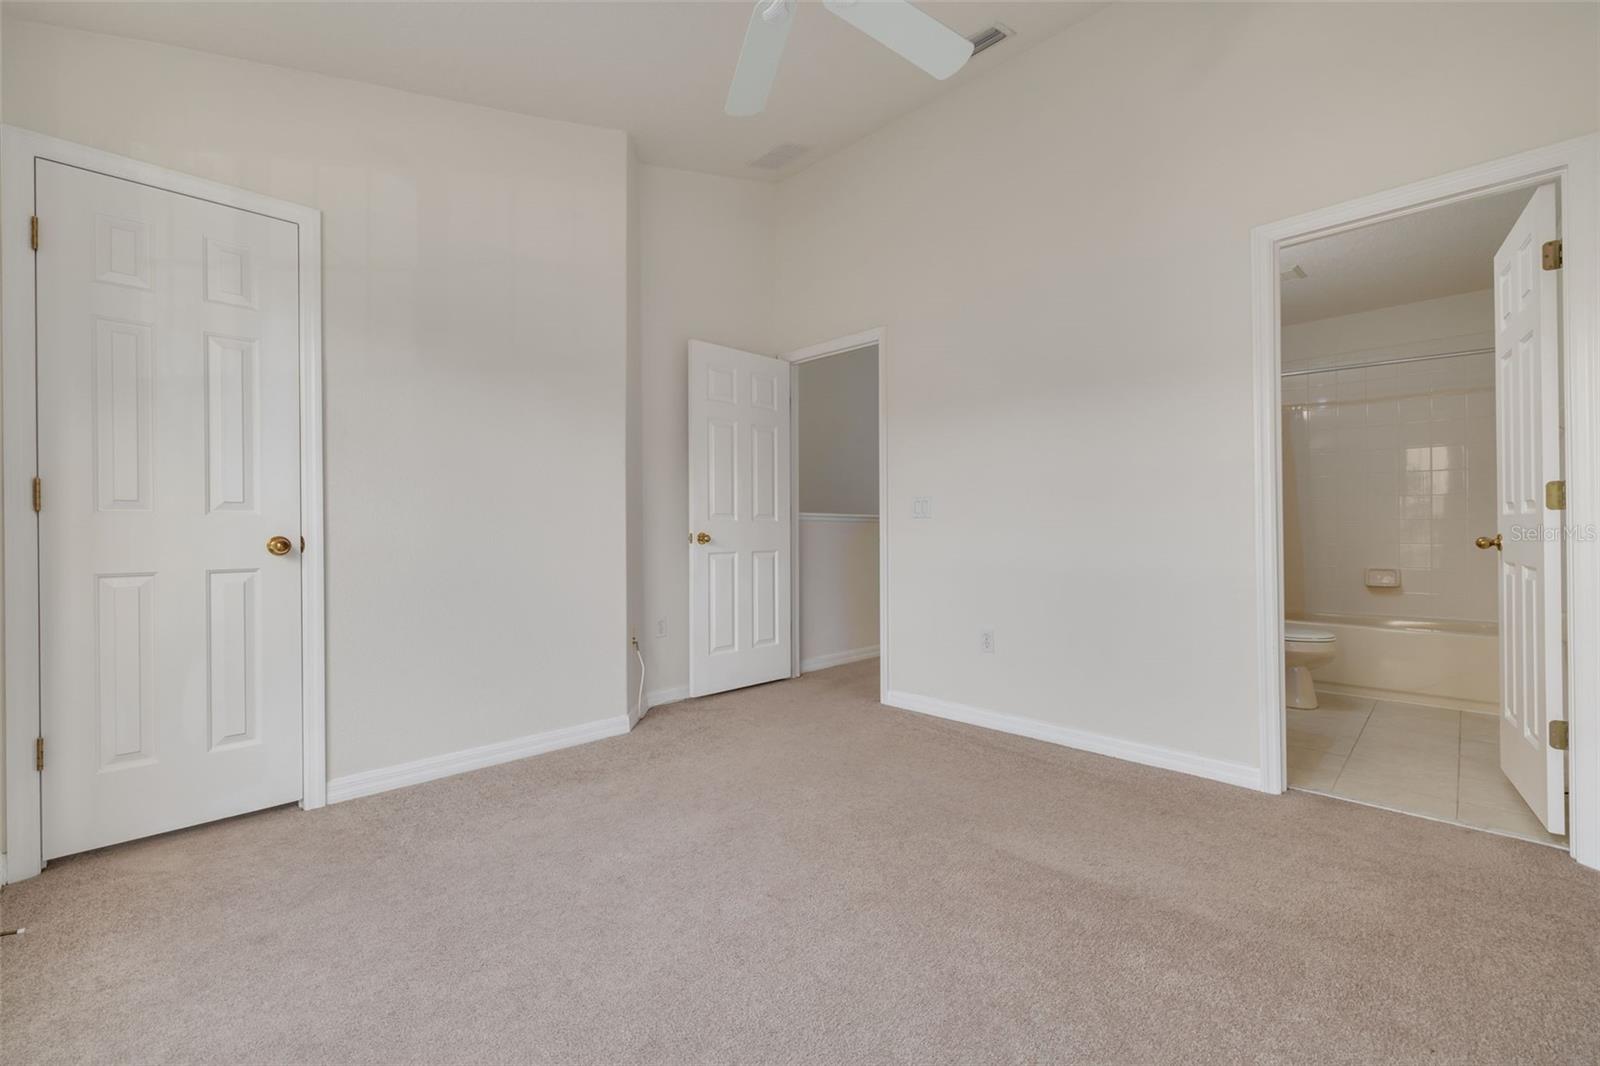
column 168, row 422
column 1528, row 432
column 739, row 528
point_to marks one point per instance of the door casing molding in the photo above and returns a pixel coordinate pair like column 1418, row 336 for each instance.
column 18, row 437
column 839, row 346
column 1574, row 166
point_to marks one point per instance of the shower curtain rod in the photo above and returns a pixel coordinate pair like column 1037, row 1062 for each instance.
column 1386, row 362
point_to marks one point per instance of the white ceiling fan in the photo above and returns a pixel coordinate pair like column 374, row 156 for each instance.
column 895, row 24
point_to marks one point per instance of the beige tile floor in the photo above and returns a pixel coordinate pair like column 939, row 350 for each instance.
column 1423, row 760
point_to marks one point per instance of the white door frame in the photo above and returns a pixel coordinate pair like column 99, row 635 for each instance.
column 18, row 437
column 1575, row 167
column 838, row 346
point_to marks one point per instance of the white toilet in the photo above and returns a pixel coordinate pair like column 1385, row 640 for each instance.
column 1304, row 647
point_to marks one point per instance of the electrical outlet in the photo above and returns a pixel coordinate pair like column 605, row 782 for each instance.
column 986, row 641
column 661, row 627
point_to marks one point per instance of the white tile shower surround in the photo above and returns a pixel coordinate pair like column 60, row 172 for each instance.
column 1431, row 761
column 1392, row 467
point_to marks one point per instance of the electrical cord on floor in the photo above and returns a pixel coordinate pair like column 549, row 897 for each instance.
column 638, row 704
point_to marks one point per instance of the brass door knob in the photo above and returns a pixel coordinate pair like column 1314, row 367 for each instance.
column 1486, row 543
column 279, row 545
column 702, row 538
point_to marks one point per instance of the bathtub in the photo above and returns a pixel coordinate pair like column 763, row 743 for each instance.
column 1443, row 663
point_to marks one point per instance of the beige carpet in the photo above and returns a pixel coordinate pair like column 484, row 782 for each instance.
column 795, row 874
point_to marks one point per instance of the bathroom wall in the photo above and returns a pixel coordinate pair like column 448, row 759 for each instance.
column 1391, row 466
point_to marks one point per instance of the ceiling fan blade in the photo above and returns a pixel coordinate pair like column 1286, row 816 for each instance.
column 758, row 60
column 909, row 31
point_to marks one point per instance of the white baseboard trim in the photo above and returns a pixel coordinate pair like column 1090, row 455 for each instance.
column 3, row 880
column 666, row 695
column 838, row 658
column 1130, row 750
column 371, row 782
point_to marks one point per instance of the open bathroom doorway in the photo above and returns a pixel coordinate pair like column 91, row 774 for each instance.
column 836, row 390
column 1421, row 350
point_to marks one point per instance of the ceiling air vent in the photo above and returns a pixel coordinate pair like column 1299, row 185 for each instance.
column 779, row 157
column 988, row 38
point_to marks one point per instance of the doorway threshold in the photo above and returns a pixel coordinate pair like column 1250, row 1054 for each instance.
column 1430, row 762
column 1547, row 840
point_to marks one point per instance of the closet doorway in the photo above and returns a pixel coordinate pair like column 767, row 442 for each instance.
column 838, row 478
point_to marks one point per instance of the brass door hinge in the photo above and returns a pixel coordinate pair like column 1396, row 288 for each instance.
column 1558, row 735
column 1555, row 495
column 1551, row 255
column 38, row 754
column 38, row 495
column 33, row 232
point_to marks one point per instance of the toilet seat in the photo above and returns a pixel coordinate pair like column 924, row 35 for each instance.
column 1304, row 649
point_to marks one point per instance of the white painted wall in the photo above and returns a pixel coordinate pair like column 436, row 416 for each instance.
column 4, row 229
column 475, row 332
column 837, row 401
column 635, row 455
column 1060, row 252
column 706, row 271
column 838, row 590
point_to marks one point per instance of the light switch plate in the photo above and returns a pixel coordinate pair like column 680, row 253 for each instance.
column 922, row 507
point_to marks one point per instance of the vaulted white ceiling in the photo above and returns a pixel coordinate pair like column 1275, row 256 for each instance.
column 1439, row 252
column 659, row 70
